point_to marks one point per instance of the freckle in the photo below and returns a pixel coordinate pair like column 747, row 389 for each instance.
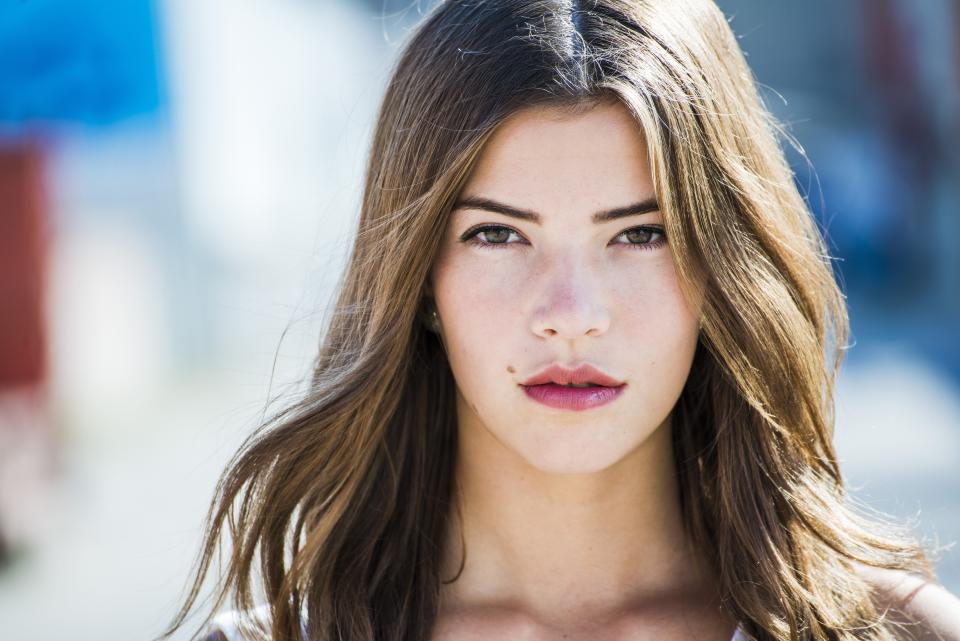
column 511, row 370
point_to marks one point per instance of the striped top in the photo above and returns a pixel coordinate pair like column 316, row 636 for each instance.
column 226, row 626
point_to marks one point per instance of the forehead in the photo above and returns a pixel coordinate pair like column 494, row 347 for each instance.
column 553, row 156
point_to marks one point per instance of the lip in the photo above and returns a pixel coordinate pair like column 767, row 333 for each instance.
column 583, row 373
column 572, row 398
column 548, row 387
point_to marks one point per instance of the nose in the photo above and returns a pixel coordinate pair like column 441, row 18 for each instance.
column 572, row 303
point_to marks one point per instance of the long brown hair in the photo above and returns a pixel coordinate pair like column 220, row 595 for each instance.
column 342, row 499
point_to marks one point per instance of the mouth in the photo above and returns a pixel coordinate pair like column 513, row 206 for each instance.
column 579, row 388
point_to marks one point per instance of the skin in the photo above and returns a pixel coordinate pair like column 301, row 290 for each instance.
column 571, row 520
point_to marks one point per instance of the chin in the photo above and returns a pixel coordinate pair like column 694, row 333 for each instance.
column 571, row 458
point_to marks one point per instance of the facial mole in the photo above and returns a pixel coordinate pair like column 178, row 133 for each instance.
column 511, row 369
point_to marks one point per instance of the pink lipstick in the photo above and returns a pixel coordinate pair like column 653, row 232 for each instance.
column 572, row 398
column 554, row 387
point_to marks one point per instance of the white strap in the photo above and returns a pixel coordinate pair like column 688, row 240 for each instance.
column 738, row 635
column 229, row 624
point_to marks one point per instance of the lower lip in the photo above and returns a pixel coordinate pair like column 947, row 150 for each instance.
column 572, row 398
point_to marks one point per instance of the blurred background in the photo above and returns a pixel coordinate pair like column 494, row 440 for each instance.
column 178, row 184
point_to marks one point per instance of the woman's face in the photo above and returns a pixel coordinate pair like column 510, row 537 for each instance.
column 561, row 287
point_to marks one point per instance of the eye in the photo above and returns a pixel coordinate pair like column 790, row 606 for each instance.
column 644, row 237
column 496, row 236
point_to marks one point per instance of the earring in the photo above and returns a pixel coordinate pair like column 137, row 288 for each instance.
column 430, row 317
column 434, row 320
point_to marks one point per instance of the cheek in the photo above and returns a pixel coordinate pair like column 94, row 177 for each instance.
column 480, row 317
column 655, row 318
column 481, row 301
column 480, row 290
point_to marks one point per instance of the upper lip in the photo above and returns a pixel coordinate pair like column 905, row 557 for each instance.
column 579, row 375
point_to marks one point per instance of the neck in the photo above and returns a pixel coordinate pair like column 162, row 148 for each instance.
column 567, row 545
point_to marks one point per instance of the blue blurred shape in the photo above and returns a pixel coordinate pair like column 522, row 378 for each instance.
column 77, row 61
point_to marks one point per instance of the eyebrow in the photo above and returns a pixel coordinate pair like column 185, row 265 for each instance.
column 479, row 202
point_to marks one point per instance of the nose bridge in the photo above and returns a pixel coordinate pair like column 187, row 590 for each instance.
column 570, row 300
column 570, row 275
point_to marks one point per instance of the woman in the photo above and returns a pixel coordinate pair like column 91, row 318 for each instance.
column 578, row 380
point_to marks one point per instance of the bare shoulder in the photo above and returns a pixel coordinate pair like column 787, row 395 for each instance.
column 929, row 605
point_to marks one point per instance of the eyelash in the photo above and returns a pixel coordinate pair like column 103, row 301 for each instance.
column 470, row 236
